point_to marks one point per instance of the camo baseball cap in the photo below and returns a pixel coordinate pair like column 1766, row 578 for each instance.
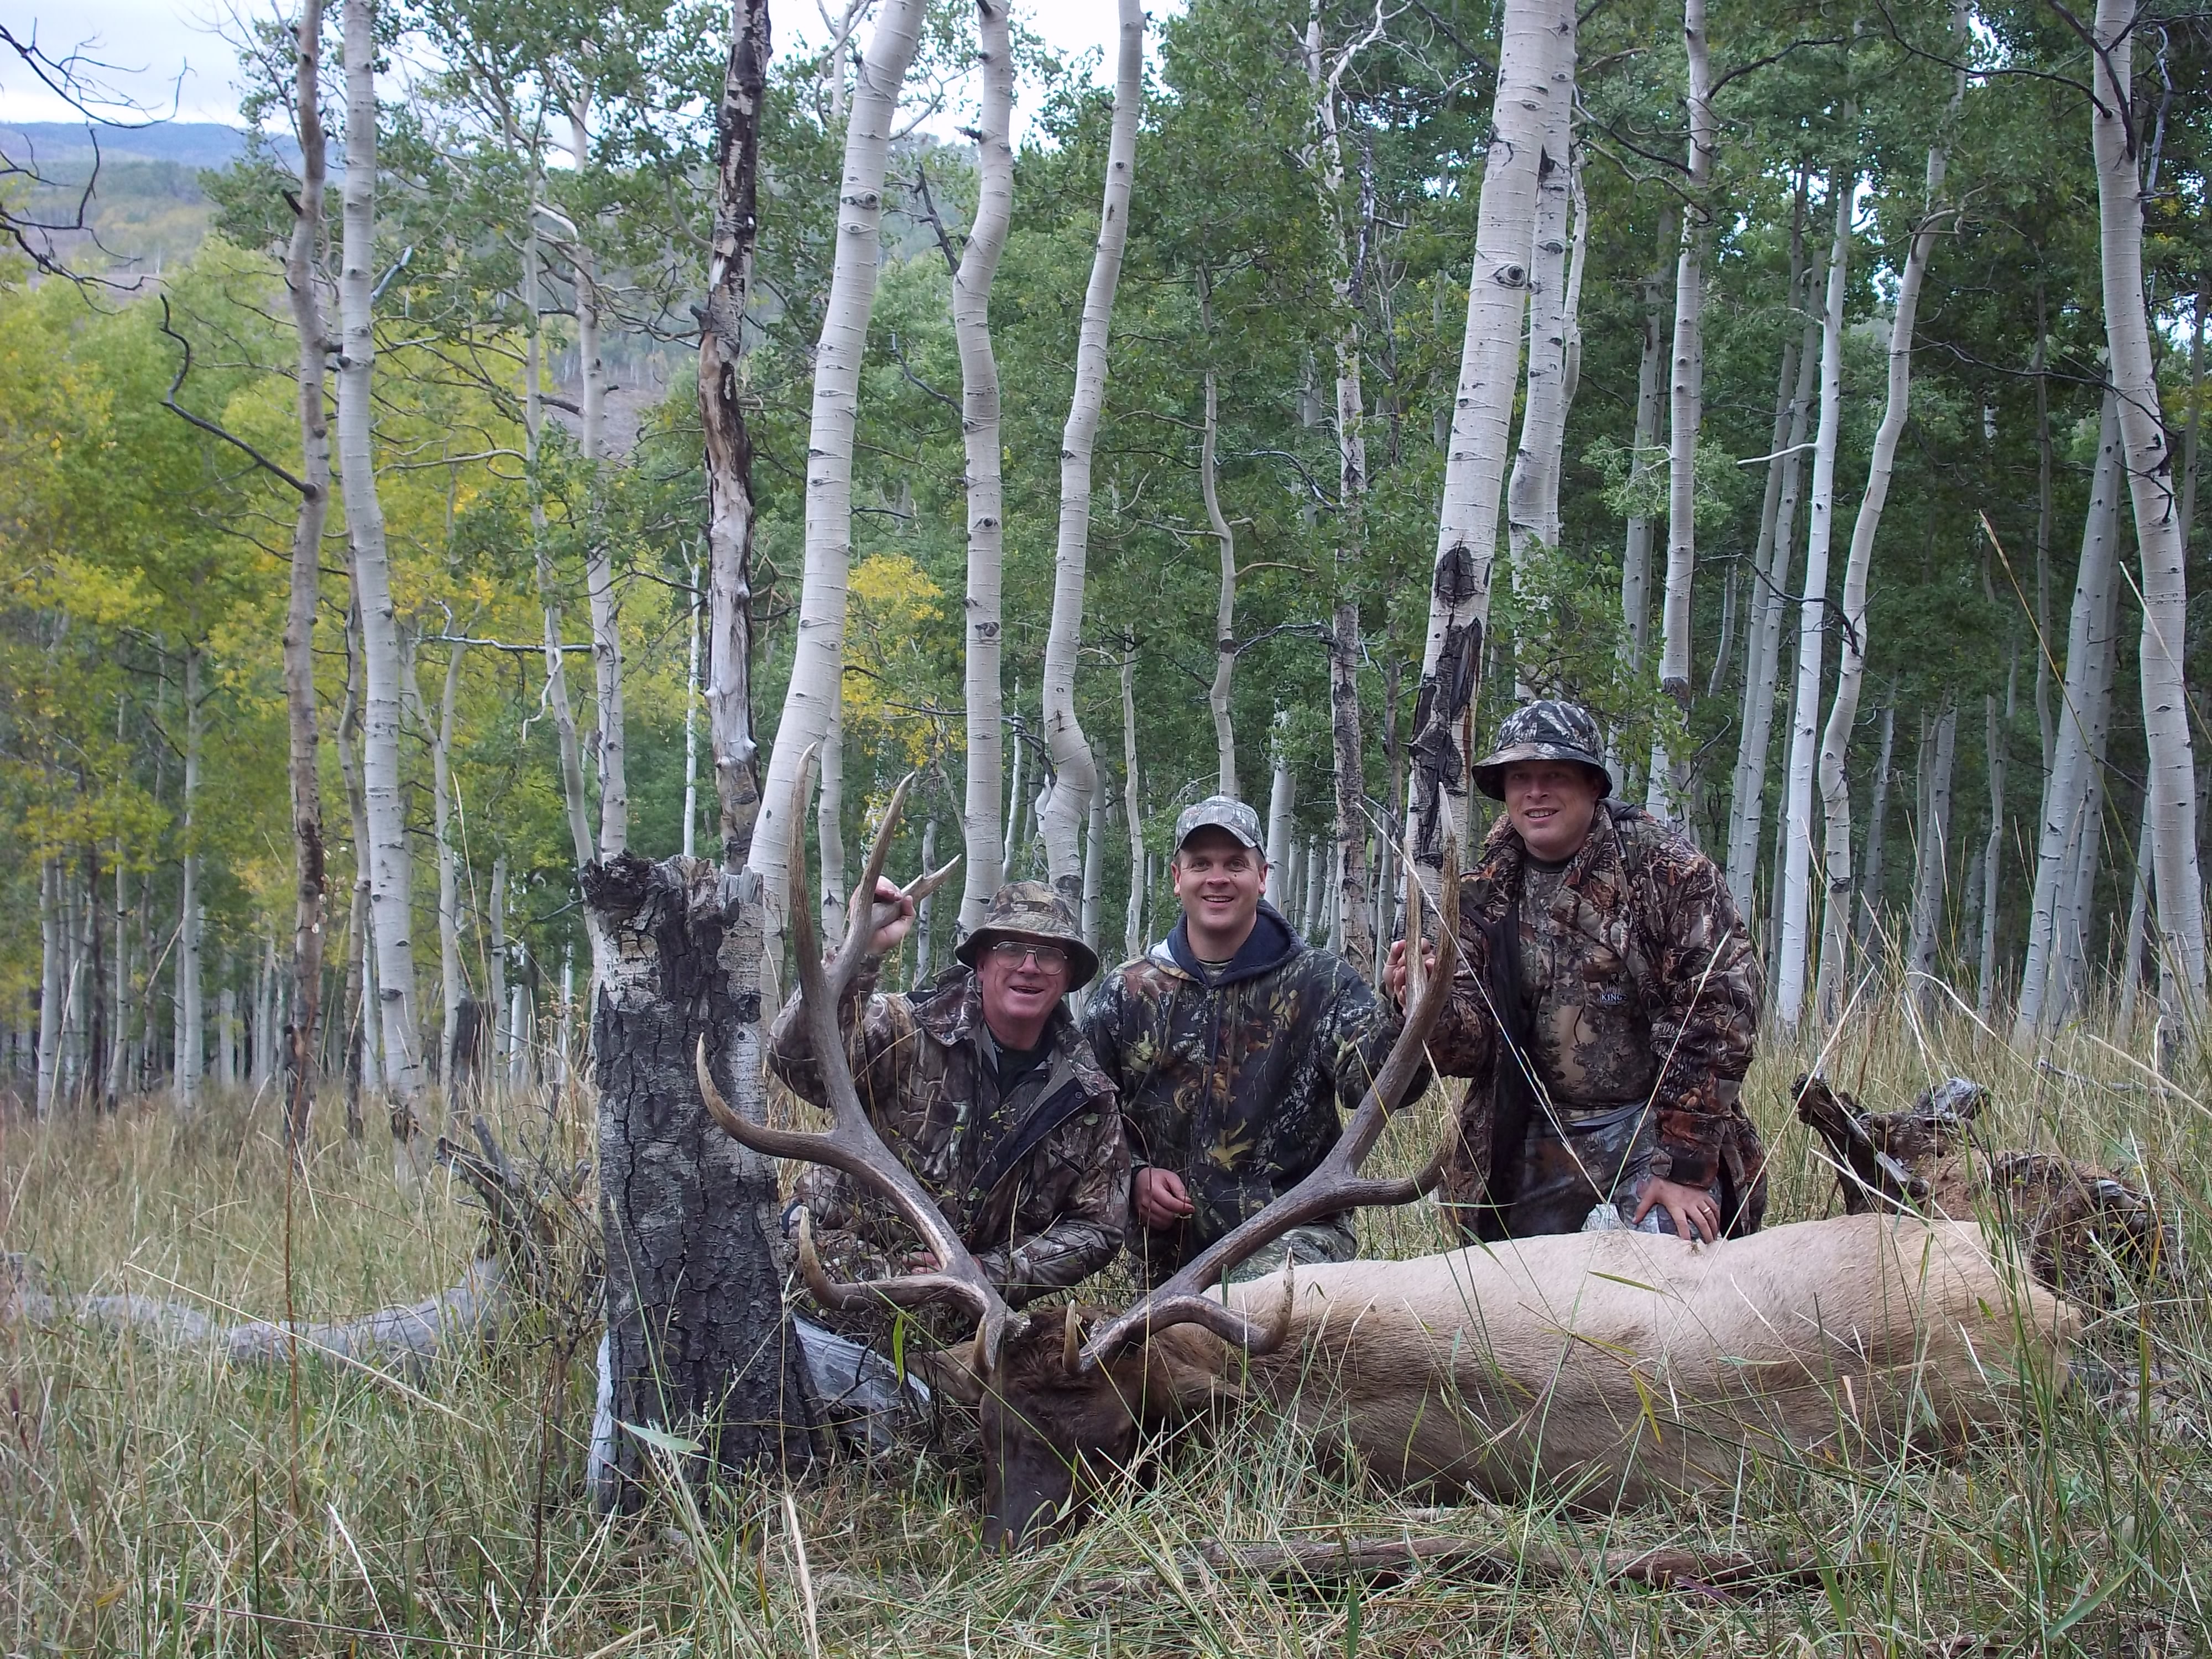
column 1548, row 729
column 1032, row 910
column 1220, row 812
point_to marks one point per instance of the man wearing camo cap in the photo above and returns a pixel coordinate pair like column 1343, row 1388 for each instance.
column 1234, row 1043
column 1606, row 1007
column 983, row 1087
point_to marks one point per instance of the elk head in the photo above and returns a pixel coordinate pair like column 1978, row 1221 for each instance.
column 1061, row 1407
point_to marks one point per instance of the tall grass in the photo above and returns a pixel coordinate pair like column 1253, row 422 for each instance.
column 152, row 1502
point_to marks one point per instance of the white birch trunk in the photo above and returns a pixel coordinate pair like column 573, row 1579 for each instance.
column 2061, row 825
column 2078, row 882
column 1851, row 653
column 1800, row 366
column 828, row 824
column 1932, row 878
column 1532, row 494
column 1282, row 803
column 1796, row 902
column 191, row 1040
column 818, row 669
column 691, row 721
column 1985, row 978
column 925, row 918
column 1076, row 772
column 1133, row 925
column 1224, row 607
column 1686, row 393
column 389, row 880
column 2117, row 126
column 1482, row 414
column 453, row 977
column 51, row 952
column 2131, row 960
column 1636, row 554
column 979, row 429
column 1094, row 866
column 1869, row 885
column 1316, row 868
column 503, row 1021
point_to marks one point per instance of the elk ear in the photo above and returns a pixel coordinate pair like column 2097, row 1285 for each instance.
column 947, row 1371
column 1071, row 1356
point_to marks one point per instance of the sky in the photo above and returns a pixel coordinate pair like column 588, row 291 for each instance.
column 166, row 54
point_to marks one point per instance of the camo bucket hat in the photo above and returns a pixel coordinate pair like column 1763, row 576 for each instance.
column 1545, row 730
column 1032, row 910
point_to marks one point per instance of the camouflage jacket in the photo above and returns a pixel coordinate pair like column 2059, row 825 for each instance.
column 1234, row 1084
column 1641, row 984
column 1036, row 1184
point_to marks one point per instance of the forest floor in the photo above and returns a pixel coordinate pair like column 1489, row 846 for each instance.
column 153, row 1502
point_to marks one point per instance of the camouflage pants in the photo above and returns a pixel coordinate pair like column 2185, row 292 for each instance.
column 1330, row 1239
column 1572, row 1161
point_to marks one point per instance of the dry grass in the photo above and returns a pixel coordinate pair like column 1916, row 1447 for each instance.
column 150, row 1503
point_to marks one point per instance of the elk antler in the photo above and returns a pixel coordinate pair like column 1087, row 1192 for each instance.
column 851, row 1143
column 1335, row 1183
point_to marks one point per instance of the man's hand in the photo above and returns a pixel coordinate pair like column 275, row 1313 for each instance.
column 1393, row 970
column 1161, row 1198
column 888, row 936
column 1696, row 1216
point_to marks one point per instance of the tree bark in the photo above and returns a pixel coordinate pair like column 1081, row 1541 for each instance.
column 1812, row 613
column 51, row 952
column 1985, row 979
column 1132, row 927
column 191, row 1041
column 986, row 848
column 2115, row 126
column 1932, row 878
column 830, row 823
column 2062, row 822
column 1793, row 403
column 1075, row 769
column 391, row 883
column 695, row 1333
column 1851, row 653
column 1474, row 466
column 1877, row 828
column 1686, row 391
column 1224, row 607
column 303, row 282
column 1636, row 556
column 817, row 668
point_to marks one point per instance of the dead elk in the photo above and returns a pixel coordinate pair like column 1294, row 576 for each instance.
column 1612, row 1367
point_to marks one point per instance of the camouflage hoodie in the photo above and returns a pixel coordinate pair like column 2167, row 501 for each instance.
column 1234, row 1081
column 1648, row 989
column 1036, row 1184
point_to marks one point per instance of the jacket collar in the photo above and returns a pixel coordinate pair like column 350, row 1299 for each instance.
column 1272, row 942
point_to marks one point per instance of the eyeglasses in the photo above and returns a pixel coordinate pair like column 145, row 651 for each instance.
column 1049, row 958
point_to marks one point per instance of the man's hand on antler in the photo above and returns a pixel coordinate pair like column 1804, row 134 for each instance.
column 901, row 909
column 1393, row 970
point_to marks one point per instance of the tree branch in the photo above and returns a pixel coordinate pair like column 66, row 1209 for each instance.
column 308, row 491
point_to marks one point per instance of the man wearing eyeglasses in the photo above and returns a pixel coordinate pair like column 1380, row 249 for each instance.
column 983, row 1085
column 1235, row 1044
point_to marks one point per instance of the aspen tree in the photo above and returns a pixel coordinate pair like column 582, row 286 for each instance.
column 1636, row 553
column 1795, row 903
column 817, row 667
column 1482, row 413
column 2117, row 125
column 1851, row 666
column 981, row 628
column 303, row 283
column 1075, row 769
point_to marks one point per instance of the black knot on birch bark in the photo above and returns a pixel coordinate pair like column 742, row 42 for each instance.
column 1454, row 584
column 1510, row 275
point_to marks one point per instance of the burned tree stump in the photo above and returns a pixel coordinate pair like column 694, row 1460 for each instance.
column 697, row 1344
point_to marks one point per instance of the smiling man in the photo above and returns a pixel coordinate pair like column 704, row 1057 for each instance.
column 1235, row 1043
column 1606, row 1007
column 982, row 1086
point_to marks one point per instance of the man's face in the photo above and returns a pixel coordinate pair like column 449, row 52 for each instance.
column 1022, row 978
column 1552, row 804
column 1219, row 881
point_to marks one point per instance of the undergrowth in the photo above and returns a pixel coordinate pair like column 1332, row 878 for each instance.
column 153, row 1502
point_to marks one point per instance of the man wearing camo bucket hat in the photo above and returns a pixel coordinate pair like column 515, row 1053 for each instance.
column 983, row 1085
column 1606, row 1007
column 1235, row 1044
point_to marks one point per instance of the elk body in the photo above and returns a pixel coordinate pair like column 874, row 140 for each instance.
column 1605, row 1367
column 1610, row 1367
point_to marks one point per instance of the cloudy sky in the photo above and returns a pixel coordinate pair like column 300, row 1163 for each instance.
column 167, row 53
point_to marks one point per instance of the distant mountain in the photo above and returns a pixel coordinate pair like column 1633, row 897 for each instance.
column 58, row 144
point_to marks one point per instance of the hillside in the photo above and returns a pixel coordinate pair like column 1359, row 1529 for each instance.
column 147, row 210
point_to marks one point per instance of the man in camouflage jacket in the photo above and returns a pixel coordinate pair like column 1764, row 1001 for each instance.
column 1235, row 1044
column 1605, row 1008
column 982, row 1086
